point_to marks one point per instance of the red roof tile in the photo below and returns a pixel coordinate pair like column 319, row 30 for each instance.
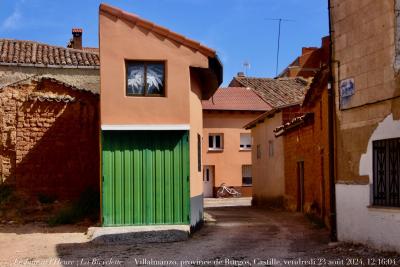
column 276, row 92
column 235, row 98
column 30, row 53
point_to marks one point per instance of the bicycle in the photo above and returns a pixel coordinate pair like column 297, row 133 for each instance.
column 227, row 191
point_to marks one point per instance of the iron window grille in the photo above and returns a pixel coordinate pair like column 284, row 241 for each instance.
column 386, row 172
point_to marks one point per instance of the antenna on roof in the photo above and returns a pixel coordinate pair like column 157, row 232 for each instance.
column 246, row 66
column 279, row 38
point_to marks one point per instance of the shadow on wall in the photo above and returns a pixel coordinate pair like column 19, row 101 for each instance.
column 56, row 141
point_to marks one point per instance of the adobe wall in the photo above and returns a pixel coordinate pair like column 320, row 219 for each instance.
column 310, row 145
column 49, row 147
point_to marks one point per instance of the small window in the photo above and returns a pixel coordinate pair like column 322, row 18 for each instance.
column 215, row 142
column 145, row 78
column 245, row 141
column 247, row 179
column 270, row 148
column 258, row 151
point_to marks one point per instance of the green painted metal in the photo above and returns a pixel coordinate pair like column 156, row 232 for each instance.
column 145, row 177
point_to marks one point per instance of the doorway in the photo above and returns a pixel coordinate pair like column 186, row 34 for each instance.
column 300, row 186
column 208, row 181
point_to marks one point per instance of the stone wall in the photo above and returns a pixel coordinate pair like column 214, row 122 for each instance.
column 49, row 139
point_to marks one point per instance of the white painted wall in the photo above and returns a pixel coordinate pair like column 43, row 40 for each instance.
column 356, row 220
column 377, row 227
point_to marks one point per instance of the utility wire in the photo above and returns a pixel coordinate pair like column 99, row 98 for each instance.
column 279, row 39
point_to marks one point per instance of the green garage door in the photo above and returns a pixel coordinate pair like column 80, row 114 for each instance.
column 145, row 177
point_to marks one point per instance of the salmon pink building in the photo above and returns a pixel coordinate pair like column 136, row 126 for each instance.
column 227, row 146
column 152, row 84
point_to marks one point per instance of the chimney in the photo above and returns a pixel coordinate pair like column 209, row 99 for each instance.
column 76, row 41
column 306, row 50
column 240, row 74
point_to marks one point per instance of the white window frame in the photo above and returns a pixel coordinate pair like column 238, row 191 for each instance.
column 245, row 146
column 214, row 137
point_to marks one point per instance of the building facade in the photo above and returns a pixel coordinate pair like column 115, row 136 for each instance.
column 306, row 151
column 267, row 159
column 365, row 37
column 227, row 146
column 267, row 151
column 49, row 118
column 152, row 84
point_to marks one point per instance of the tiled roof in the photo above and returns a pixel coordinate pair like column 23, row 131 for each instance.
column 150, row 26
column 28, row 53
column 91, row 49
column 296, row 122
column 276, row 92
column 235, row 98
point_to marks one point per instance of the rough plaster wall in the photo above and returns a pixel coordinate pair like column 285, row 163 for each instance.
column 397, row 40
column 8, row 111
column 84, row 79
column 49, row 147
column 388, row 128
column 366, row 52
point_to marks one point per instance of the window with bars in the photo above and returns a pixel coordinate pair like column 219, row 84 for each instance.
column 386, row 172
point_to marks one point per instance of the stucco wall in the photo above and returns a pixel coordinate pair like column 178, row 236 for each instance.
column 228, row 163
column 364, row 34
column 268, row 172
column 364, row 49
column 196, row 127
column 121, row 40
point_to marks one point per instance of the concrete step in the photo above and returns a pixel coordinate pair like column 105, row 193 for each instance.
column 227, row 202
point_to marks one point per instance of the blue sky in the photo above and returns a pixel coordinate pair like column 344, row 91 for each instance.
column 238, row 29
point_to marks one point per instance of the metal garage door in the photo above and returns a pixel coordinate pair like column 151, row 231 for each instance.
column 145, row 177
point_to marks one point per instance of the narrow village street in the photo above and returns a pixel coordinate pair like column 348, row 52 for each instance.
column 233, row 236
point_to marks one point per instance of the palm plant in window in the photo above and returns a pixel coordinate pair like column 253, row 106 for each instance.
column 145, row 78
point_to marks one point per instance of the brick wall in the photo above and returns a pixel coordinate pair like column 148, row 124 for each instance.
column 308, row 144
column 49, row 147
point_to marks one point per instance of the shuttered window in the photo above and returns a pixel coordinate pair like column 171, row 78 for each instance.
column 245, row 141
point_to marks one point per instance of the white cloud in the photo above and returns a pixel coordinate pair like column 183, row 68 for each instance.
column 14, row 20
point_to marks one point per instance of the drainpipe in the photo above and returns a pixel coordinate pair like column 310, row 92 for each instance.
column 331, row 135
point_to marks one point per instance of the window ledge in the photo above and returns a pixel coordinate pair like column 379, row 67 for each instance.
column 244, row 149
column 215, row 150
column 247, row 185
column 383, row 208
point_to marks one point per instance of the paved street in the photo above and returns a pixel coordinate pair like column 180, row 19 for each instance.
column 233, row 236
